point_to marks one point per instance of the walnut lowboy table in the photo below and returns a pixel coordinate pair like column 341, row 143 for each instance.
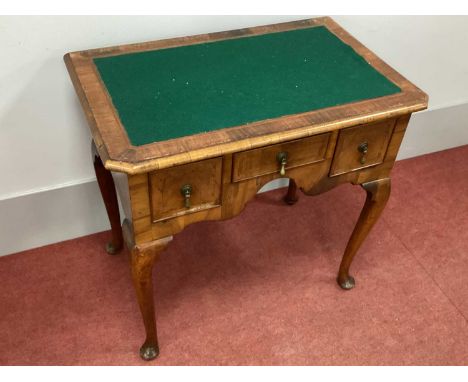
column 191, row 128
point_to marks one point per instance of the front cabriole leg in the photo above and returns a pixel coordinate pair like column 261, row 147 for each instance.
column 378, row 192
column 142, row 261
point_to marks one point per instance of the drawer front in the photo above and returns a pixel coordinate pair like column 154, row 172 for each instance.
column 361, row 146
column 265, row 160
column 185, row 189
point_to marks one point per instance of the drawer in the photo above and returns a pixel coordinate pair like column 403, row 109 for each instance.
column 361, row 146
column 266, row 160
column 185, row 189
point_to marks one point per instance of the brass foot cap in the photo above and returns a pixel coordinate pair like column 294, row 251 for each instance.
column 347, row 284
column 111, row 250
column 149, row 352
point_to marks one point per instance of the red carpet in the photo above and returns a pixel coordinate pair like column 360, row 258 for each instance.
column 260, row 288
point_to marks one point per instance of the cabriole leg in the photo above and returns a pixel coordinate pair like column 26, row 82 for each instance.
column 109, row 195
column 142, row 261
column 378, row 193
column 291, row 196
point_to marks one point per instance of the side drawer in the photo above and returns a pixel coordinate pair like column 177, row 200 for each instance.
column 264, row 160
column 198, row 182
column 361, row 146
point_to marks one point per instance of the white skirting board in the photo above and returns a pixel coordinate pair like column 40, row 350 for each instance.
column 45, row 217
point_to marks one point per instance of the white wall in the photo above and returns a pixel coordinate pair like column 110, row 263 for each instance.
column 44, row 139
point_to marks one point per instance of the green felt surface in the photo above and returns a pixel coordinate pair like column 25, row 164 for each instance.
column 175, row 92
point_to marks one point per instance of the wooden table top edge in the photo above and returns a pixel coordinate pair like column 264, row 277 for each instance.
column 133, row 168
column 202, row 38
column 119, row 155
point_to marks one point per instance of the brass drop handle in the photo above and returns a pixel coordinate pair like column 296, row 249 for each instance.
column 282, row 159
column 363, row 148
column 186, row 191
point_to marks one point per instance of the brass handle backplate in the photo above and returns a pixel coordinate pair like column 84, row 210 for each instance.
column 363, row 148
column 282, row 159
column 186, row 191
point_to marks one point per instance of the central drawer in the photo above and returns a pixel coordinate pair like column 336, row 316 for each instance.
column 270, row 159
